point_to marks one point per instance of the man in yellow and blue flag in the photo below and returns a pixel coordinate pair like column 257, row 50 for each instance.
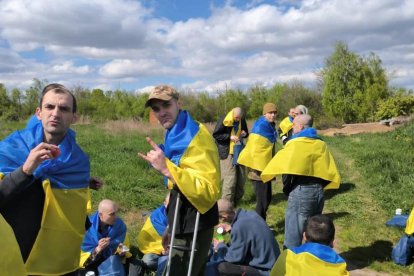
column 228, row 134
column 150, row 236
column 316, row 257
column 106, row 238
column 257, row 153
column 307, row 168
column 190, row 165
column 11, row 260
column 286, row 125
column 44, row 186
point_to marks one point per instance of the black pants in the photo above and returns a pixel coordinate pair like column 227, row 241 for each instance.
column 229, row 269
column 263, row 196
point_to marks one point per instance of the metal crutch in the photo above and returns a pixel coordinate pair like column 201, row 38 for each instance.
column 183, row 248
column 190, row 265
column 177, row 205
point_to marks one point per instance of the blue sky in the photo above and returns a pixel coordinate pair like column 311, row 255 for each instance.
column 196, row 45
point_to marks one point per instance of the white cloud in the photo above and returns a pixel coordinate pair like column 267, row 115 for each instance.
column 121, row 42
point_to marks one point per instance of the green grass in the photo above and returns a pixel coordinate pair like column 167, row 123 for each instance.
column 377, row 178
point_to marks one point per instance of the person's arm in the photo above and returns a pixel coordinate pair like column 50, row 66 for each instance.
column 198, row 176
column 244, row 128
column 239, row 246
column 12, row 184
column 221, row 133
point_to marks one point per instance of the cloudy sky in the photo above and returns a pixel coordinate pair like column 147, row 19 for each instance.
column 196, row 44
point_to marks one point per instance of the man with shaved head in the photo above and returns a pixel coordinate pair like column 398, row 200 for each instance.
column 253, row 249
column 307, row 168
column 105, row 237
column 228, row 134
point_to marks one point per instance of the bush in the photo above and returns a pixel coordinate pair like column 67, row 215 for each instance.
column 395, row 106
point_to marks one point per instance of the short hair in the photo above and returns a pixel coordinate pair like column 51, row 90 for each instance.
column 320, row 229
column 237, row 111
column 302, row 109
column 306, row 120
column 59, row 89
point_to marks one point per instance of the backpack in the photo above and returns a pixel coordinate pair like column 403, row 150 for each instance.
column 403, row 252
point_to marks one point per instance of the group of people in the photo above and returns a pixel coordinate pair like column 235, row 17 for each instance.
column 45, row 184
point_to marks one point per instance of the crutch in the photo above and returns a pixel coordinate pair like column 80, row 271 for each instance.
column 183, row 248
column 193, row 249
column 177, row 205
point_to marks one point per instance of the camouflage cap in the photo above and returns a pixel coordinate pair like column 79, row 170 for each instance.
column 162, row 92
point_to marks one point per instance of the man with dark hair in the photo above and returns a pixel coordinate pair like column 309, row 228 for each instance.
column 189, row 162
column 229, row 133
column 44, row 179
column 320, row 229
column 307, row 168
column 316, row 256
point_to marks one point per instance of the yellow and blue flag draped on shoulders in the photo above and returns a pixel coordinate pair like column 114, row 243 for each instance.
column 236, row 128
column 65, row 182
column 409, row 228
column 258, row 150
column 285, row 125
column 116, row 233
column 11, row 262
column 304, row 154
column 309, row 259
column 150, row 236
column 192, row 159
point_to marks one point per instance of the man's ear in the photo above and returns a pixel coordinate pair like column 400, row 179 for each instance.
column 38, row 113
column 304, row 237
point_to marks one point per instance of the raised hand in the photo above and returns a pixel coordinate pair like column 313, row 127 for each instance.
column 156, row 158
column 37, row 155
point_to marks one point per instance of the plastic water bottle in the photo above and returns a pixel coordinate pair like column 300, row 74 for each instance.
column 90, row 273
column 220, row 232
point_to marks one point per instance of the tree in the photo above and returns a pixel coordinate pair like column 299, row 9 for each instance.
column 352, row 85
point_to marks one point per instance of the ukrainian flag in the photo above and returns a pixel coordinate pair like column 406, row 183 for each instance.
column 65, row 182
column 309, row 259
column 11, row 260
column 304, row 154
column 192, row 159
column 409, row 228
column 285, row 125
column 259, row 148
column 116, row 233
column 150, row 237
column 236, row 128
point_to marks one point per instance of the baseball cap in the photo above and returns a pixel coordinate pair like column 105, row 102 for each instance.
column 162, row 92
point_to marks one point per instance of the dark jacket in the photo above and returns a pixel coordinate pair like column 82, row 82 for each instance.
column 252, row 242
column 187, row 215
column 222, row 135
column 26, row 192
column 290, row 181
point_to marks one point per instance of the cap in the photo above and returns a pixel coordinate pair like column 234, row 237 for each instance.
column 269, row 107
column 162, row 92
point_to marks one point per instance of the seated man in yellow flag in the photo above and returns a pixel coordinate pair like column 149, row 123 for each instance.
column 316, row 256
column 307, row 168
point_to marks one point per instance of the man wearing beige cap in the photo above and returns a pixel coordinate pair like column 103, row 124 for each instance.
column 189, row 162
column 258, row 152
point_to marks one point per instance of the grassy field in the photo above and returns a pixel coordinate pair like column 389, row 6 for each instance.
column 376, row 170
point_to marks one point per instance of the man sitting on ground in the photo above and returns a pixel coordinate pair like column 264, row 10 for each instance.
column 106, row 236
column 150, row 236
column 253, row 249
column 316, row 256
